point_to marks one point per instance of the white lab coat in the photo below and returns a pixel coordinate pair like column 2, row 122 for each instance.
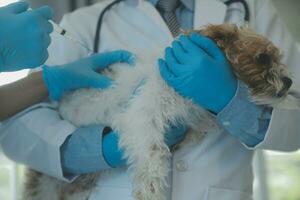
column 219, row 167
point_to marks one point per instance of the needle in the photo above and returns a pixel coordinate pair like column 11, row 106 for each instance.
column 61, row 31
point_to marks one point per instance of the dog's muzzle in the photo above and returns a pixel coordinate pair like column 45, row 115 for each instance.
column 287, row 83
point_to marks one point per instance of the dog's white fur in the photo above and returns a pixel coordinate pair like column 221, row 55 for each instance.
column 140, row 107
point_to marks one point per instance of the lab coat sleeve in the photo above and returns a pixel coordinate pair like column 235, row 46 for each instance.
column 243, row 119
column 33, row 138
column 283, row 131
column 82, row 151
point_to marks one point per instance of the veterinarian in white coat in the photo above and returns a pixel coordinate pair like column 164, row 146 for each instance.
column 217, row 168
column 24, row 38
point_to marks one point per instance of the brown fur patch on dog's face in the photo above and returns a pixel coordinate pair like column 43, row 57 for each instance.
column 254, row 59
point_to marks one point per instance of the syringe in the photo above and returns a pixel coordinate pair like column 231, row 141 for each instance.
column 61, row 31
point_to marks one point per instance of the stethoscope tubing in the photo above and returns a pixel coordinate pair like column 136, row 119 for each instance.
column 109, row 6
column 99, row 24
column 246, row 7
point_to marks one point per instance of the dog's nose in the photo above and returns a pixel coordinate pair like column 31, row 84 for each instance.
column 287, row 83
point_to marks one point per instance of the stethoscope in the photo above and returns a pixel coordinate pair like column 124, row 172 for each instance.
column 100, row 19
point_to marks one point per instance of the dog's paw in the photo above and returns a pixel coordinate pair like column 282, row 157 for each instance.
column 149, row 186
column 150, row 191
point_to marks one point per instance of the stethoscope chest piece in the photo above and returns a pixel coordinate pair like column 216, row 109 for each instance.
column 245, row 5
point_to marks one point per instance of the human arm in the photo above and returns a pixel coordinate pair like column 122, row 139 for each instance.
column 94, row 148
column 115, row 156
column 208, row 81
column 243, row 119
column 33, row 138
column 21, row 94
column 38, row 132
column 24, row 36
column 42, row 125
column 57, row 80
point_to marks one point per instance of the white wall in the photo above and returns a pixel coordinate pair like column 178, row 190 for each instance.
column 290, row 12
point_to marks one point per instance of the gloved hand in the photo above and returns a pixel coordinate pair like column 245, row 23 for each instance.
column 24, row 36
column 82, row 73
column 197, row 69
column 114, row 156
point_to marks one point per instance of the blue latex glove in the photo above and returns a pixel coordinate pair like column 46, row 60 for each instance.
column 82, row 73
column 24, row 36
column 114, row 156
column 197, row 69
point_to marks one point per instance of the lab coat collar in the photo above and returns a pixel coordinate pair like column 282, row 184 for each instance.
column 204, row 16
column 202, row 9
column 189, row 4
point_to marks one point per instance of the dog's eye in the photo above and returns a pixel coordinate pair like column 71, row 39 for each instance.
column 264, row 59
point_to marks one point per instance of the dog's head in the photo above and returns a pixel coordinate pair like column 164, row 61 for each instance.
column 254, row 59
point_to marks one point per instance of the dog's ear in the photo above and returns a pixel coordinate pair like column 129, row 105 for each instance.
column 224, row 34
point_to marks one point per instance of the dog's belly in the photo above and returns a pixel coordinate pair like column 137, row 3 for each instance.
column 96, row 106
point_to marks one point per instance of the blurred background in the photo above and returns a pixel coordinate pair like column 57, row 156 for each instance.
column 277, row 175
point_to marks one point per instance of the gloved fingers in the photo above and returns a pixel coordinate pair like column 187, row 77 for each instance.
column 43, row 58
column 47, row 40
column 173, row 65
column 100, row 81
column 170, row 57
column 208, row 45
column 112, row 154
column 40, row 59
column 165, row 72
column 101, row 61
column 47, row 26
column 123, row 56
column 188, row 45
column 17, row 7
column 179, row 52
column 175, row 134
column 40, row 54
column 45, row 11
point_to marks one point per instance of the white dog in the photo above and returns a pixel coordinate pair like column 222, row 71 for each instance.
column 141, row 113
column 141, row 119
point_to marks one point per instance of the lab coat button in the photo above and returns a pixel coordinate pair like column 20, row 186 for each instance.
column 226, row 123
column 181, row 166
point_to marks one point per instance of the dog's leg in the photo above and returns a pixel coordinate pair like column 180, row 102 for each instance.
column 40, row 187
column 141, row 130
column 150, row 175
column 148, row 157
